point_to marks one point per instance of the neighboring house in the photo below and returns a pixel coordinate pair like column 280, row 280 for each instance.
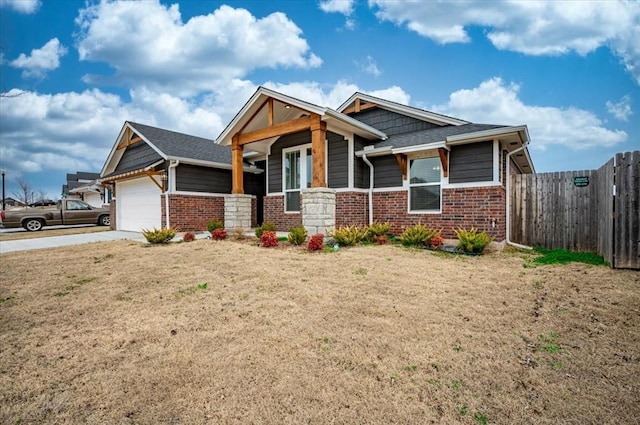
column 374, row 160
column 85, row 186
column 164, row 178
column 12, row 202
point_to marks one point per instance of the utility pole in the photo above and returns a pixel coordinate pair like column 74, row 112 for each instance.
column 3, row 198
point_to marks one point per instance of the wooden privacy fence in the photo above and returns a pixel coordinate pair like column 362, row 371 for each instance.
column 589, row 210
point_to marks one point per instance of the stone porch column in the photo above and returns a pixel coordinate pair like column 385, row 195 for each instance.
column 319, row 210
column 237, row 211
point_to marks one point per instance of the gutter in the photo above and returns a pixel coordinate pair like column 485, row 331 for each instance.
column 508, row 214
column 172, row 165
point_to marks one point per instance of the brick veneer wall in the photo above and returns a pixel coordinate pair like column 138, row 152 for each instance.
column 461, row 207
column 189, row 213
column 274, row 213
column 352, row 208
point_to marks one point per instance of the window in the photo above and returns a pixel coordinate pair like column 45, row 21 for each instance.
column 424, row 184
column 297, row 175
column 76, row 206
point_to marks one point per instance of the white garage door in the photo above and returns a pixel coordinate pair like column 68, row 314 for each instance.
column 138, row 205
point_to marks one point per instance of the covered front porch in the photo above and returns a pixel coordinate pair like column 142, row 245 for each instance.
column 304, row 198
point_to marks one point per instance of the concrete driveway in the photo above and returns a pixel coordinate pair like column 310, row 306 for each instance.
column 55, row 241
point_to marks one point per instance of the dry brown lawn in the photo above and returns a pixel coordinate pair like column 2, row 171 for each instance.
column 52, row 232
column 118, row 332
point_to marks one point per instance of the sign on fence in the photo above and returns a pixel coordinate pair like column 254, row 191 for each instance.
column 581, row 181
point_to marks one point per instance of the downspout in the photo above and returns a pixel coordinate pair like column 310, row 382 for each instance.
column 172, row 165
column 508, row 214
column 366, row 161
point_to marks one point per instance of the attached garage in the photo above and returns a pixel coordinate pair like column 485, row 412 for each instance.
column 163, row 178
column 138, row 204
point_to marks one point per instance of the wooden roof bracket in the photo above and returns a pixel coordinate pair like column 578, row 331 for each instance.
column 402, row 162
column 444, row 160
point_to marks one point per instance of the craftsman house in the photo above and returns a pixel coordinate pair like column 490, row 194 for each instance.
column 294, row 163
column 163, row 178
column 373, row 160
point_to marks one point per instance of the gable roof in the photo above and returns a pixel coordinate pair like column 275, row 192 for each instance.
column 253, row 115
column 169, row 146
column 173, row 145
column 410, row 111
column 433, row 135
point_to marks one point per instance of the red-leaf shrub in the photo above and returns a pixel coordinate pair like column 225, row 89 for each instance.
column 436, row 242
column 218, row 235
column 188, row 237
column 268, row 239
column 381, row 240
column 316, row 242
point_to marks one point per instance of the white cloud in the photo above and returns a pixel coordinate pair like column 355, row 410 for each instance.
column 337, row 6
column 148, row 43
column 46, row 58
column 530, row 27
column 622, row 109
column 371, row 67
column 494, row 102
column 334, row 96
column 22, row 6
column 71, row 131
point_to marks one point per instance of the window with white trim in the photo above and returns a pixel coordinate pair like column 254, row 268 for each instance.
column 425, row 188
column 296, row 163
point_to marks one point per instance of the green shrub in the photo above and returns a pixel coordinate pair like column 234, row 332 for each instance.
column 418, row 235
column 163, row 235
column 266, row 227
column 375, row 230
column 215, row 224
column 297, row 235
column 471, row 241
column 349, row 235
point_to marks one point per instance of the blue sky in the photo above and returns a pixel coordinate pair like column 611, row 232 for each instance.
column 72, row 71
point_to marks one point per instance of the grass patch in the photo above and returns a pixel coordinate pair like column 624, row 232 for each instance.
column 562, row 256
column 193, row 289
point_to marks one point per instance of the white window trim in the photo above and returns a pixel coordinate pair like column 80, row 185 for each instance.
column 408, row 185
column 303, row 172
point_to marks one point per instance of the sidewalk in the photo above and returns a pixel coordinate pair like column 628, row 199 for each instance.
column 55, row 241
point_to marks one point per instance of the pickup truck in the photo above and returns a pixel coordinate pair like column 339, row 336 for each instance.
column 68, row 211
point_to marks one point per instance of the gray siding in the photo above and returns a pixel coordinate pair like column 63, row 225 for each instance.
column 471, row 163
column 391, row 122
column 338, row 166
column 191, row 178
column 137, row 156
column 360, row 169
column 386, row 172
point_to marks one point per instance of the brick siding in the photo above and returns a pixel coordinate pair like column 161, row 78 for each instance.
column 189, row 213
column 475, row 207
column 274, row 213
column 352, row 208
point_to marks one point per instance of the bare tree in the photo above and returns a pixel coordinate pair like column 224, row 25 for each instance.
column 25, row 194
column 41, row 195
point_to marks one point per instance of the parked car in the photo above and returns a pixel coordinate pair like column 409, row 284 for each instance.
column 68, row 211
column 43, row 203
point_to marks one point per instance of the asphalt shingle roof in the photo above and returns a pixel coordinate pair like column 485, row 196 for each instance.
column 432, row 135
column 180, row 145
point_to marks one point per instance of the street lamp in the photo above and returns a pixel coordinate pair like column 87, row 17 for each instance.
column 3, row 198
